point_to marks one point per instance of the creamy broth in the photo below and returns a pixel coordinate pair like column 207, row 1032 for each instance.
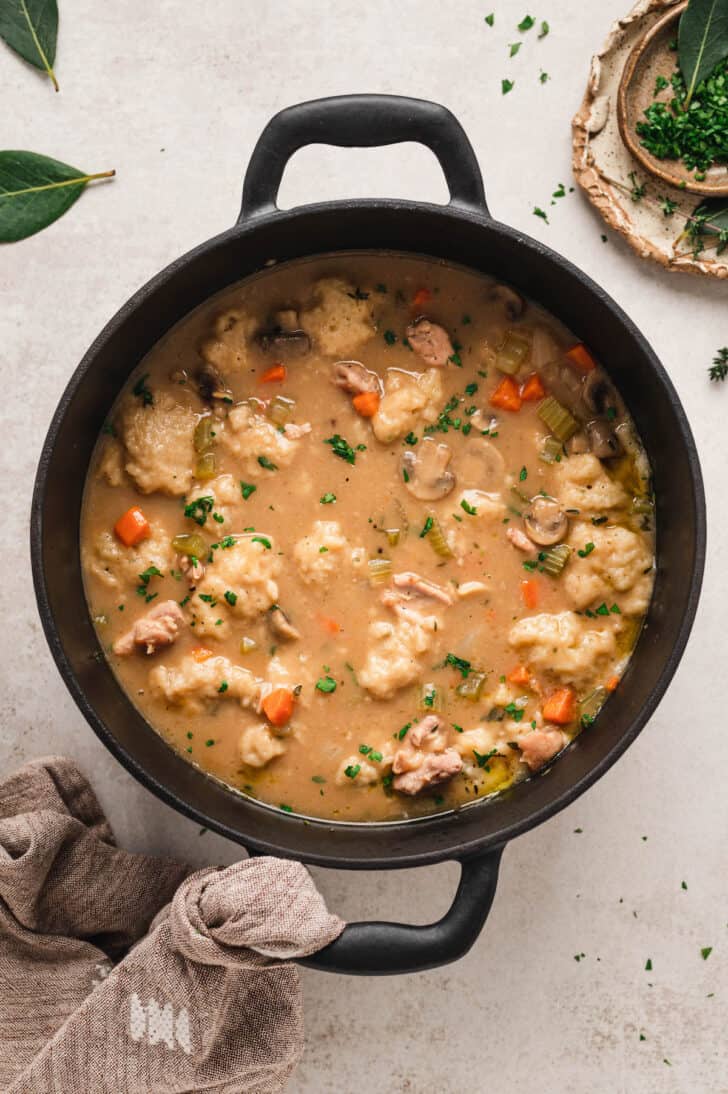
column 368, row 625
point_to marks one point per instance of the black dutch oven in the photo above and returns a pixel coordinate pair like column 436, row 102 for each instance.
column 462, row 232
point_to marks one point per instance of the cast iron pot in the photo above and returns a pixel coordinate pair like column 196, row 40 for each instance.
column 464, row 232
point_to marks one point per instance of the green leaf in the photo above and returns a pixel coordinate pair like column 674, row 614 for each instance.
column 35, row 191
column 30, row 27
column 702, row 41
column 708, row 224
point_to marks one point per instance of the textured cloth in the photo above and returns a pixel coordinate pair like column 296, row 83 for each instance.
column 132, row 975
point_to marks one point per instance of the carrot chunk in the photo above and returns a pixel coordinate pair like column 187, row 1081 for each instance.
column 329, row 624
column 421, row 298
column 560, row 707
column 580, row 356
column 533, row 389
column 132, row 527
column 366, row 403
column 519, row 675
column 273, row 375
column 612, row 683
column 530, row 592
column 278, row 706
column 201, row 653
column 506, row 396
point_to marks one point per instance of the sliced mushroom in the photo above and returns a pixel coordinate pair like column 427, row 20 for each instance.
column 578, row 444
column 424, row 470
column 281, row 626
column 430, row 341
column 599, row 394
column 513, row 304
column 546, row 522
column 603, row 441
column 210, row 384
column 482, row 464
column 351, row 376
column 284, row 343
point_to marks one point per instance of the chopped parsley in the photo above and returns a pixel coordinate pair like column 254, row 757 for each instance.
column 585, row 550
column 545, row 28
column 522, row 474
column 141, row 390
column 648, row 965
column 602, row 609
column 267, row 464
column 218, row 518
column 225, row 542
column 482, row 760
column 471, row 510
column 471, row 389
column 515, row 46
column 199, row 509
column 341, row 448
column 223, row 687
column 526, row 23
column 402, row 733
column 285, row 808
column 543, row 77
column 459, row 663
column 411, row 439
column 537, row 212
column 352, row 771
column 327, row 499
column 426, row 527
column 231, row 597
column 705, row 952
column 261, row 539
column 246, row 489
column 490, row 19
column 390, row 337
column 326, row 684
column 506, row 86
column 318, row 779
column 515, row 712
column 208, row 598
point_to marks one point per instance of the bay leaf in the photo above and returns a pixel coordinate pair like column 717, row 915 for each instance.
column 30, row 27
column 35, row 190
column 702, row 41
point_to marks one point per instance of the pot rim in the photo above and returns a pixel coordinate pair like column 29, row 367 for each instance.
column 434, row 823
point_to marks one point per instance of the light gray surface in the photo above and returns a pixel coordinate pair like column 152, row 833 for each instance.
column 173, row 95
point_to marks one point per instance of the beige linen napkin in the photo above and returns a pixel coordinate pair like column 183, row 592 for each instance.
column 206, row 998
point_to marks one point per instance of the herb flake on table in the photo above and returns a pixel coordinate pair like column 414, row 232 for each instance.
column 538, row 212
column 526, row 23
column 514, row 48
column 490, row 19
column 35, row 191
column 506, row 86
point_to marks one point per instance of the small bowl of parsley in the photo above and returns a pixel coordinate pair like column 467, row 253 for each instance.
column 672, row 104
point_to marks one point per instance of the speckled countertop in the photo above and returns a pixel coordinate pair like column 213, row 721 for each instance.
column 173, row 96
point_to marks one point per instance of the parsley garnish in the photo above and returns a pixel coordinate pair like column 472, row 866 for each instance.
column 585, row 550
column 411, row 439
column 490, row 19
column 459, row 663
column 327, row 499
column 522, row 474
column 537, row 212
column 341, row 448
column 545, row 28
column 199, row 509
column 141, row 390
column 261, row 539
column 231, row 597
column 506, row 86
column 515, row 712
column 426, row 527
column 471, row 510
column 526, row 23
column 267, row 464
column 352, row 771
column 471, row 389
column 223, row 687
column 390, row 337
column 326, row 684
column 482, row 760
column 246, row 489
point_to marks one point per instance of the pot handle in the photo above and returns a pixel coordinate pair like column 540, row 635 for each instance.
column 362, row 121
column 380, row 949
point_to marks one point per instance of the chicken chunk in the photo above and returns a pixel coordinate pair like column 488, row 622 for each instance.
column 193, row 684
column 239, row 583
column 409, row 399
column 421, row 586
column 160, row 454
column 430, row 342
column 340, row 319
column 257, row 745
column 158, row 627
column 424, row 759
column 563, row 646
column 619, row 567
column 228, row 348
column 352, row 377
column 583, row 484
column 393, row 659
column 520, row 540
column 538, row 746
column 251, row 438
